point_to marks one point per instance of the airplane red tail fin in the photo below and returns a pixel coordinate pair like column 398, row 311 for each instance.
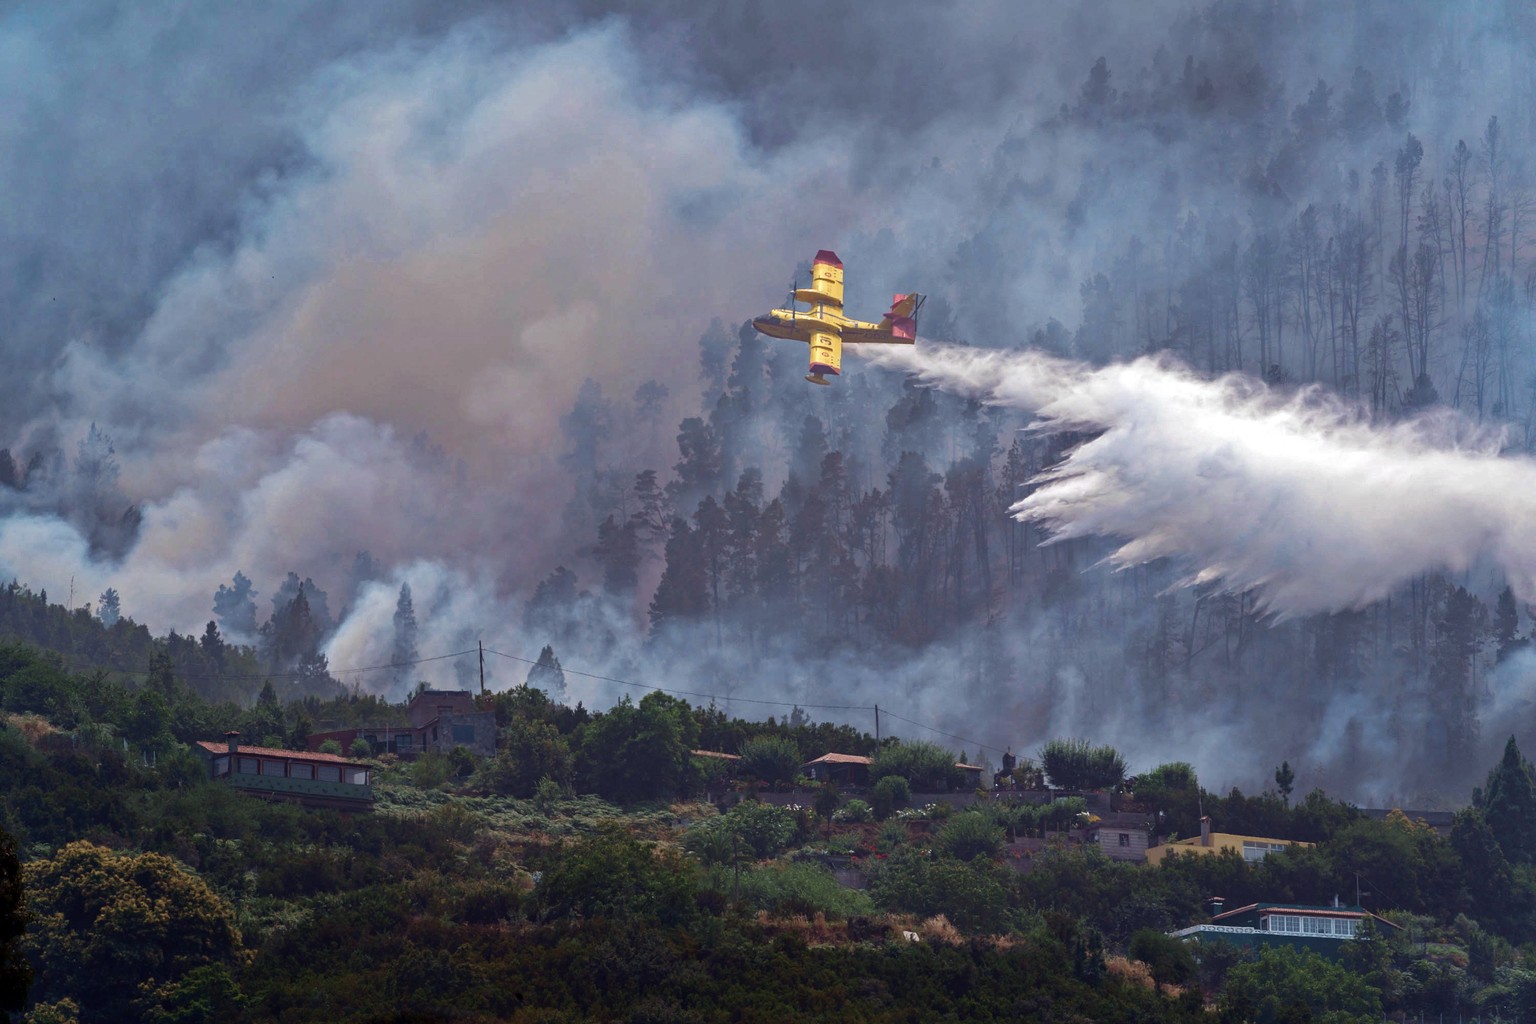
column 902, row 318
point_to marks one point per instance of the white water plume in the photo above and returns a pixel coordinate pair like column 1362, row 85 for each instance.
column 1293, row 494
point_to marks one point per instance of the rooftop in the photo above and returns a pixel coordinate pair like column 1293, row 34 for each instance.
column 1302, row 908
column 830, row 758
column 292, row 755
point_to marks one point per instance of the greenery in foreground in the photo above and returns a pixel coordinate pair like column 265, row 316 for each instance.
column 562, row 881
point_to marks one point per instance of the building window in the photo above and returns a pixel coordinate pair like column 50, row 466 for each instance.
column 271, row 767
column 357, row 776
column 1253, row 851
column 463, row 733
column 403, row 741
column 1125, row 839
column 220, row 766
column 301, row 771
column 249, row 766
column 329, row 773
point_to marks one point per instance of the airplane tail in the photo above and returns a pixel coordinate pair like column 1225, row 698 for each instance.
column 902, row 318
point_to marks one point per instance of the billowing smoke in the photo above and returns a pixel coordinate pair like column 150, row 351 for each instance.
column 1291, row 493
column 283, row 285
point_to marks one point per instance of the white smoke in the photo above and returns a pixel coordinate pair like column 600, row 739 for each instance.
column 1294, row 495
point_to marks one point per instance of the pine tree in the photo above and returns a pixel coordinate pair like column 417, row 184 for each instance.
column 547, row 675
column 404, row 653
column 1508, row 802
column 683, row 593
column 1506, row 626
column 235, row 606
column 618, row 552
column 1285, row 780
column 212, row 644
column 109, row 608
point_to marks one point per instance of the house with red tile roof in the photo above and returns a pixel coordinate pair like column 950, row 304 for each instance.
column 303, row 777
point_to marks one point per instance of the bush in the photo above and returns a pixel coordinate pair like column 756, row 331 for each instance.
column 974, row 897
column 800, row 888
column 770, row 759
column 753, row 829
column 361, row 748
column 1284, row 980
column 531, row 750
column 968, row 836
column 1169, row 958
column 890, row 794
column 614, row 876
column 927, row 767
column 1074, row 764
column 331, row 747
column 855, row 812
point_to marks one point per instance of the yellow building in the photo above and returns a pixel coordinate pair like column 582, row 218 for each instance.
column 1250, row 848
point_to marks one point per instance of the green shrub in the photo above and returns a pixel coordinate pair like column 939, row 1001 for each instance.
column 927, row 767
column 770, row 759
column 855, row 811
column 331, row 747
column 548, row 794
column 752, row 829
column 969, row 835
column 890, row 794
column 1169, row 958
column 973, row 896
column 1075, row 764
column 799, row 888
column 429, row 771
column 361, row 748
column 613, row 876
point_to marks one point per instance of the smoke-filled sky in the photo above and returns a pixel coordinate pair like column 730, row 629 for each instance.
column 329, row 276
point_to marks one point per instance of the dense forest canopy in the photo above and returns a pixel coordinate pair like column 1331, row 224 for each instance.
column 419, row 330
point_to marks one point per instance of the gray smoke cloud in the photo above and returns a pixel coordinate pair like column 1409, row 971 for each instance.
column 330, row 277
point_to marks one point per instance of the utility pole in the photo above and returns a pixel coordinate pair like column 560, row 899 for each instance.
column 877, row 727
column 481, row 645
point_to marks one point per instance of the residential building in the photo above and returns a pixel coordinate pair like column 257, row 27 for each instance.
column 970, row 775
column 303, row 777
column 439, row 720
column 1122, row 835
column 1320, row 929
column 843, row 769
column 1252, row 848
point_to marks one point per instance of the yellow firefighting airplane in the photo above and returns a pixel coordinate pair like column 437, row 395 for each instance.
column 825, row 328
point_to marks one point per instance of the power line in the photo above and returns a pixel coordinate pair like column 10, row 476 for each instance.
column 752, row 700
column 607, row 679
column 941, row 732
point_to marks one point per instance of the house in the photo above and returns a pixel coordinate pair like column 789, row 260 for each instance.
column 1320, row 929
column 303, row 777
column 445, row 719
column 970, row 775
column 439, row 720
column 1122, row 835
column 1252, row 848
column 844, row 769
